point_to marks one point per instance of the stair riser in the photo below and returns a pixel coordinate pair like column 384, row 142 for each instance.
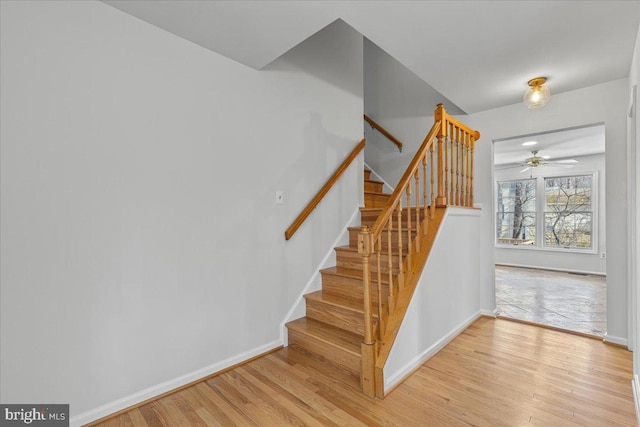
column 341, row 317
column 373, row 186
column 367, row 174
column 369, row 218
column 376, row 200
column 351, row 287
column 353, row 240
column 335, row 355
column 350, row 259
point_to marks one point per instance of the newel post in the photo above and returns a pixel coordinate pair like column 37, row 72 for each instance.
column 367, row 378
column 441, row 115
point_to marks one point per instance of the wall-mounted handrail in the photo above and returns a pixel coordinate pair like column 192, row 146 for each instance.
column 383, row 131
column 323, row 191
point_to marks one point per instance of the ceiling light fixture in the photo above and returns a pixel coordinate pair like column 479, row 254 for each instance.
column 529, row 143
column 537, row 95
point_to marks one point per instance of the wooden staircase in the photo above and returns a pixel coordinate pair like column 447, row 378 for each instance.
column 333, row 329
column 352, row 323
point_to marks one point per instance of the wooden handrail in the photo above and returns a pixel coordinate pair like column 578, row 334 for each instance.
column 324, row 190
column 457, row 123
column 383, row 131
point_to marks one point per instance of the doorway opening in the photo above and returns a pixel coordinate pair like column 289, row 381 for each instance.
column 550, row 230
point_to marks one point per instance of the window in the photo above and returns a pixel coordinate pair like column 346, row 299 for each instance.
column 568, row 212
column 553, row 212
column 516, row 221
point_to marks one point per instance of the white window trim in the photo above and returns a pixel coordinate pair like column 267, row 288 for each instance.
column 540, row 205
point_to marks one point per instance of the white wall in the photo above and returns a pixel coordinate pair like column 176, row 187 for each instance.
column 447, row 298
column 141, row 243
column 605, row 103
column 537, row 257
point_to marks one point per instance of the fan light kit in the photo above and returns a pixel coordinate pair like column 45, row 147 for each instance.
column 535, row 161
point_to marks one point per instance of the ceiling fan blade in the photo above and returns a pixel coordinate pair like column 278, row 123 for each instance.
column 560, row 165
column 525, row 169
column 566, row 161
column 504, row 167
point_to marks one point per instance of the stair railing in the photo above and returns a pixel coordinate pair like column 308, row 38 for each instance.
column 323, row 191
column 395, row 249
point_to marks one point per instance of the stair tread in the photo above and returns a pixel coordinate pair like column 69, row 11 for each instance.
column 346, row 248
column 379, row 210
column 336, row 301
column 376, row 193
column 374, row 181
column 352, row 273
column 352, row 249
column 332, row 335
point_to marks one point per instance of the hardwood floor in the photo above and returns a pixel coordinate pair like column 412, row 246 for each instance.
column 496, row 373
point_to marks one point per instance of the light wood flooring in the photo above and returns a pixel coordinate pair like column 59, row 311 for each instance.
column 496, row 373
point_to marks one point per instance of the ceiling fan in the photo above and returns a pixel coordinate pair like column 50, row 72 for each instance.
column 535, row 161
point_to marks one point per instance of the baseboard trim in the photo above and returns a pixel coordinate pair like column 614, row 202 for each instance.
column 489, row 313
column 550, row 327
column 309, row 286
column 619, row 341
column 396, row 379
column 562, row 270
column 135, row 400
column 635, row 386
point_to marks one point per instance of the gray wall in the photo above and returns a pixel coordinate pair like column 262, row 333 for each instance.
column 634, row 220
column 403, row 104
column 141, row 244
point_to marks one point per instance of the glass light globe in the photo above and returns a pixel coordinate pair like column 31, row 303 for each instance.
column 537, row 95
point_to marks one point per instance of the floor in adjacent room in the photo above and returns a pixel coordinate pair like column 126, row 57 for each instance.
column 575, row 302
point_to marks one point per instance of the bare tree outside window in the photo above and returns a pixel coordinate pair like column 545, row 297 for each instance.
column 568, row 212
column 516, row 220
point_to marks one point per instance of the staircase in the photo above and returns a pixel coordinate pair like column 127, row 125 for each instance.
column 333, row 329
column 351, row 324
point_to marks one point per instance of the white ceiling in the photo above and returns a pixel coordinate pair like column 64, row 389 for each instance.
column 479, row 54
column 557, row 145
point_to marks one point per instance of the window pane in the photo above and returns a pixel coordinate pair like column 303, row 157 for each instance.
column 516, row 229
column 567, row 231
column 516, row 217
column 568, row 212
column 513, row 195
column 572, row 194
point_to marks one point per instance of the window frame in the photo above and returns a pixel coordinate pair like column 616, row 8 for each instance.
column 540, row 214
